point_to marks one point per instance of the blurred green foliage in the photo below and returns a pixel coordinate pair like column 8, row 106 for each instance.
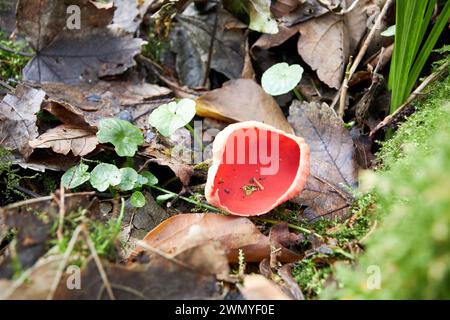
column 408, row 256
column 11, row 64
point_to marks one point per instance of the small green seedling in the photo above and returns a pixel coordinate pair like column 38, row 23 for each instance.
column 76, row 176
column 169, row 117
column 106, row 175
column 123, row 135
column 137, row 199
column 281, row 78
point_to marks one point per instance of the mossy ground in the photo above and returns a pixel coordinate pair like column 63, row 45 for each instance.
column 407, row 256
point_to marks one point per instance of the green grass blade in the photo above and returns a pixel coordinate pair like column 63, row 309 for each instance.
column 428, row 46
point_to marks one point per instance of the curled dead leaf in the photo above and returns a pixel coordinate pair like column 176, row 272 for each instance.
column 257, row 287
column 64, row 138
column 242, row 100
column 184, row 231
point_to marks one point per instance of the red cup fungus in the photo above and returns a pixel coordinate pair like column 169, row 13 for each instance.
column 255, row 168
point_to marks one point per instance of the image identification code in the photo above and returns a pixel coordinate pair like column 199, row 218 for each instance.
column 227, row 309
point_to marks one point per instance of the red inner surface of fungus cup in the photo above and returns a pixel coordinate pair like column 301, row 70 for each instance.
column 255, row 168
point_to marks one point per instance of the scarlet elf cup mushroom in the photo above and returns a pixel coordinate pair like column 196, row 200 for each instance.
column 255, row 168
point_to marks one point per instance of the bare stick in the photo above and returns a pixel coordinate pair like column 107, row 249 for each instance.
column 7, row 86
column 359, row 57
column 63, row 263
column 62, row 213
column 419, row 91
column 19, row 53
column 100, row 268
column 211, row 45
column 43, row 199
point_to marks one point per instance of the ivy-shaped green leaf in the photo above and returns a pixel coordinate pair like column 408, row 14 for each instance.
column 105, row 175
column 171, row 116
column 281, row 78
column 123, row 135
column 75, row 176
column 128, row 178
column 151, row 179
column 137, row 199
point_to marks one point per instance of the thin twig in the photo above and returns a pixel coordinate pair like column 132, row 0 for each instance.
column 63, row 263
column 97, row 261
column 359, row 57
column 62, row 213
column 211, row 45
column 43, row 199
column 419, row 91
column 290, row 225
column 19, row 53
column 158, row 252
column 7, row 86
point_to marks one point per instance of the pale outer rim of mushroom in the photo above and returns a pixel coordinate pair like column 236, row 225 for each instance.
column 219, row 148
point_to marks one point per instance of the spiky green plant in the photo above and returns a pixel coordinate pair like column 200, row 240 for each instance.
column 413, row 45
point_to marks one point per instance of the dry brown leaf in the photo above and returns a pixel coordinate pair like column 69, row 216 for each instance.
column 129, row 14
column 333, row 164
column 242, row 100
column 184, row 231
column 87, row 104
column 160, row 279
column 18, row 118
column 291, row 12
column 267, row 41
column 327, row 42
column 3, row 229
column 34, row 284
column 290, row 285
column 257, row 287
column 208, row 257
column 65, row 138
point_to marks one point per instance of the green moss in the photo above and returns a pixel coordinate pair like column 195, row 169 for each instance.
column 407, row 257
column 311, row 275
column 420, row 126
column 9, row 178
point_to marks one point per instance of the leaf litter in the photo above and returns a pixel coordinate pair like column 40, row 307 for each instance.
column 84, row 78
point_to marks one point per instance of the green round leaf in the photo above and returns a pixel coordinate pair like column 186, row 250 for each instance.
column 151, row 179
column 137, row 199
column 389, row 32
column 123, row 135
column 281, row 78
column 171, row 116
column 105, row 175
column 75, row 176
column 140, row 181
column 128, row 178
